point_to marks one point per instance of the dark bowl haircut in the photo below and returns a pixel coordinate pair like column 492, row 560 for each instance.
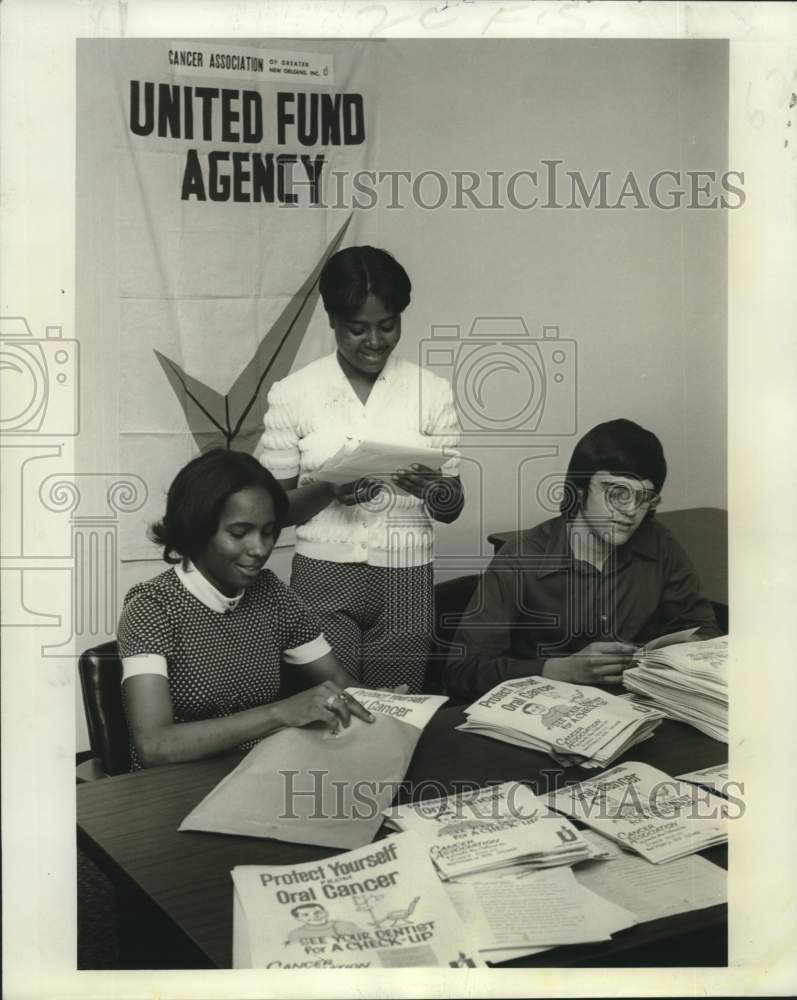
column 351, row 275
column 305, row 906
column 619, row 447
column 197, row 497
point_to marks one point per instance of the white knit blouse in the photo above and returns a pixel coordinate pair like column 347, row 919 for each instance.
column 310, row 415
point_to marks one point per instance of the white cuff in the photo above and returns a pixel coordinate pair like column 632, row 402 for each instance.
column 144, row 663
column 308, row 652
column 281, row 463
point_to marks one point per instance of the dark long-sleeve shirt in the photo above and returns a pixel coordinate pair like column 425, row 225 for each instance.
column 536, row 601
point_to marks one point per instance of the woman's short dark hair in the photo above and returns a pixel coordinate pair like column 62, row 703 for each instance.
column 351, row 275
column 197, row 495
column 619, row 447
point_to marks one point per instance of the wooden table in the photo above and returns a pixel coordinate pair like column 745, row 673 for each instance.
column 176, row 891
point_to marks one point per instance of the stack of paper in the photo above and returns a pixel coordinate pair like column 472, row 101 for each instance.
column 648, row 891
column 715, row 778
column 687, row 682
column 381, row 906
column 571, row 723
column 647, row 811
column 488, row 829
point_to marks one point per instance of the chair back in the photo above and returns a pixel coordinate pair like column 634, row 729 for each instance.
column 451, row 597
column 100, row 671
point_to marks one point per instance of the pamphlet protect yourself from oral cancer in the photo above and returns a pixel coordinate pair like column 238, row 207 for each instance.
column 573, row 723
column 381, row 906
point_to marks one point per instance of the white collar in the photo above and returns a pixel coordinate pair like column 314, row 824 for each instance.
column 203, row 590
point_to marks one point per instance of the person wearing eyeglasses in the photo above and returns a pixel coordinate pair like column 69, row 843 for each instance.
column 574, row 597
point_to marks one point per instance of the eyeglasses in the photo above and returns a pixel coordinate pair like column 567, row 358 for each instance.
column 621, row 496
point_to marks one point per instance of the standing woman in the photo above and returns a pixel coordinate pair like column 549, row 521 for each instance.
column 363, row 559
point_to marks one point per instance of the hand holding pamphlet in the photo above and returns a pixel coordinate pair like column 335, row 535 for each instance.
column 663, row 641
column 572, row 723
column 381, row 906
column 647, row 811
column 359, row 459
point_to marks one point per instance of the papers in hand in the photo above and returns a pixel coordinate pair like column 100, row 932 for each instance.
column 688, row 682
column 572, row 723
column 647, row 811
column 359, row 459
column 381, row 906
column 490, row 828
column 672, row 639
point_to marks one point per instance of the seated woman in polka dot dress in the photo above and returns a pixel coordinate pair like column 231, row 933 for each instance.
column 202, row 644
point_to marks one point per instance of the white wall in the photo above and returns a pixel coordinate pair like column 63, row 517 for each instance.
column 642, row 292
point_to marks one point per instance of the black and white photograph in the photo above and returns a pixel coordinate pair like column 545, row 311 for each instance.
column 397, row 442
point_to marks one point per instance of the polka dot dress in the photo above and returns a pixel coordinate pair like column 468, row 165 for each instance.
column 378, row 620
column 218, row 662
